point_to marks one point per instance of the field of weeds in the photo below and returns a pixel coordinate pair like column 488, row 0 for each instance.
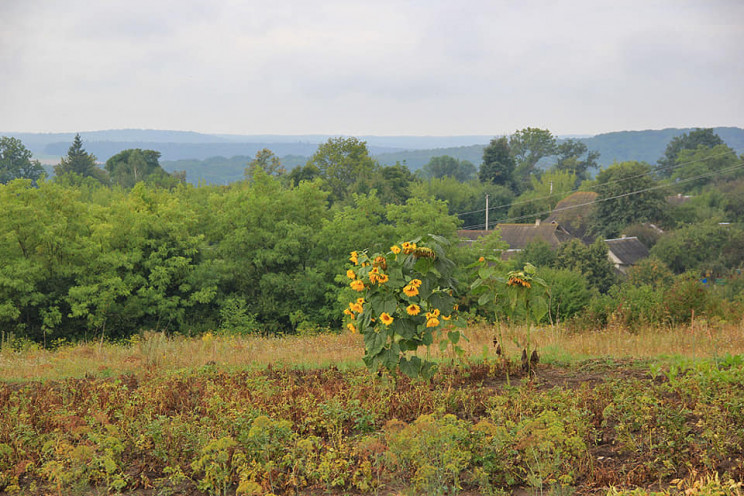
column 606, row 412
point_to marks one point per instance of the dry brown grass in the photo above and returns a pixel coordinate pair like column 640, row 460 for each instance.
column 157, row 353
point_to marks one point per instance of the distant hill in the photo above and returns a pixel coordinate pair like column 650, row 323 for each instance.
column 649, row 145
column 221, row 158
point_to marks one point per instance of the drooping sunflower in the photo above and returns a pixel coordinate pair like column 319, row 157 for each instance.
column 351, row 274
column 432, row 322
column 352, row 328
column 357, row 285
column 386, row 319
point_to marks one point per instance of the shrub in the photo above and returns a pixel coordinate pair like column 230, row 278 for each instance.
column 569, row 293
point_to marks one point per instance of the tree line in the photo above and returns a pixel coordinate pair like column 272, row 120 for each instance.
column 107, row 251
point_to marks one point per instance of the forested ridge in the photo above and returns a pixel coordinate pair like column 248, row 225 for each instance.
column 107, row 252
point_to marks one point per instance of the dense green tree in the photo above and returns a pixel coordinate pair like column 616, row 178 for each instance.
column 79, row 162
column 467, row 200
column 266, row 161
column 446, row 166
column 129, row 167
column 733, row 200
column 545, row 192
column 498, row 164
column 308, row 172
column 528, row 146
column 591, row 261
column 706, row 138
column 708, row 247
column 574, row 157
column 698, row 167
column 16, row 162
column 628, row 194
column 343, row 163
column 539, row 253
column 393, row 183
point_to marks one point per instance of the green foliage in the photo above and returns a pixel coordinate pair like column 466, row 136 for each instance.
column 545, row 192
column 267, row 162
column 651, row 272
column 498, row 164
column 446, row 166
column 528, row 146
column 434, row 451
column 345, row 164
column 569, row 293
column 129, row 167
column 16, row 162
column 538, row 253
column 570, row 153
column 467, row 200
column 626, row 196
column 406, row 301
column 80, row 162
column 705, row 138
column 590, row 261
column 704, row 248
column 696, row 168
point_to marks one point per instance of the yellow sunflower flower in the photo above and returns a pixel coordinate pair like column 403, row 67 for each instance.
column 413, row 309
column 382, row 278
column 395, row 249
column 386, row 319
column 354, row 258
column 432, row 322
column 351, row 274
column 410, row 291
column 416, row 283
column 360, row 301
column 357, row 285
column 352, row 328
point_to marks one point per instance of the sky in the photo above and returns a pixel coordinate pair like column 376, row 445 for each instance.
column 382, row 67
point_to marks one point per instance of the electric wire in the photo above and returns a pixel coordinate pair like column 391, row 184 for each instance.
column 619, row 180
column 599, row 200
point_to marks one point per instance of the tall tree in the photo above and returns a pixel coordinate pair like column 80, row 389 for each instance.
column 79, row 162
column 343, row 162
column 576, row 158
column 129, row 167
column 528, row 146
column 626, row 196
column 498, row 164
column 688, row 141
column 439, row 167
column 267, row 161
column 16, row 163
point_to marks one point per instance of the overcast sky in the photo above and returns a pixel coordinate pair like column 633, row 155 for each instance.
column 385, row 67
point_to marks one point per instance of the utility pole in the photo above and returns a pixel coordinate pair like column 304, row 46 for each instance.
column 486, row 212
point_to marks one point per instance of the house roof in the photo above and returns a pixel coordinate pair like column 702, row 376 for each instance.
column 627, row 250
column 518, row 235
column 574, row 212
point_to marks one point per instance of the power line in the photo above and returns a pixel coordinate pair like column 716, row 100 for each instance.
column 619, row 180
column 598, row 200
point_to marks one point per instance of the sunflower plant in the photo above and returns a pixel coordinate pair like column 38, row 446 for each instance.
column 405, row 300
column 521, row 291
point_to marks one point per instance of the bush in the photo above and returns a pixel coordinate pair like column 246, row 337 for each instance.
column 569, row 293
